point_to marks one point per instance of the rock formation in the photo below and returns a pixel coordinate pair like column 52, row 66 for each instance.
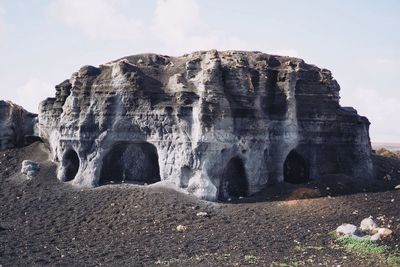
column 16, row 126
column 218, row 124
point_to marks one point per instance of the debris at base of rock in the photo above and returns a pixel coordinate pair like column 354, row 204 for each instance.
column 202, row 214
column 368, row 230
column 181, row 228
column 30, row 168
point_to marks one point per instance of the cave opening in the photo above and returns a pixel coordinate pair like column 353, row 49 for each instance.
column 234, row 181
column 71, row 165
column 129, row 162
column 295, row 169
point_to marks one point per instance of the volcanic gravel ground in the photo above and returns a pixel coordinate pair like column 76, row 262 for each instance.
column 46, row 222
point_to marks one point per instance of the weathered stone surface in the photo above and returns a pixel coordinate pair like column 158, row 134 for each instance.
column 16, row 125
column 218, row 124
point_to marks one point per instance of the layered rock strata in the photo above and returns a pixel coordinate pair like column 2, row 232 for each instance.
column 17, row 126
column 218, row 124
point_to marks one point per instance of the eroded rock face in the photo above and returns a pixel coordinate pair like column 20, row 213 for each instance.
column 220, row 124
column 16, row 126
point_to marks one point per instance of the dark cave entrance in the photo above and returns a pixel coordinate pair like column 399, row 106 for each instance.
column 130, row 163
column 71, row 164
column 234, row 180
column 295, row 169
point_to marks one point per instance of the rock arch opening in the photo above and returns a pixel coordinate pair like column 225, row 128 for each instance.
column 71, row 165
column 295, row 169
column 128, row 162
column 234, row 181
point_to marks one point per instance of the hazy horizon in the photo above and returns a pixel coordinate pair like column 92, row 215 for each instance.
column 43, row 42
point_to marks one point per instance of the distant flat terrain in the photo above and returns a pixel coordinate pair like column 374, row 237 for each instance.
column 390, row 146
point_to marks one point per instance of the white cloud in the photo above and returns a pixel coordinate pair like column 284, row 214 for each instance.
column 30, row 94
column 176, row 27
column 178, row 24
column 100, row 19
column 382, row 111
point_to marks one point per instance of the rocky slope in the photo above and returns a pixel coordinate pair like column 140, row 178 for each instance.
column 16, row 126
column 218, row 124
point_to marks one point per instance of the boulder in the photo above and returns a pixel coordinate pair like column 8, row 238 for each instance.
column 17, row 126
column 221, row 125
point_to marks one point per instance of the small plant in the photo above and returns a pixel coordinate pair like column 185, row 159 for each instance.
column 250, row 259
column 362, row 245
column 385, row 254
column 394, row 260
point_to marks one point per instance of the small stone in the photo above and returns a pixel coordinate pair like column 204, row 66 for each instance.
column 181, row 228
column 375, row 237
column 368, row 225
column 385, row 232
column 380, row 234
column 202, row 214
column 397, row 187
column 346, row 229
column 30, row 168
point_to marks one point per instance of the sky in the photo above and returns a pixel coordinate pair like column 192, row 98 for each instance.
column 42, row 42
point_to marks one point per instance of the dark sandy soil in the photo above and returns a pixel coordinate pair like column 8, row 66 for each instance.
column 45, row 222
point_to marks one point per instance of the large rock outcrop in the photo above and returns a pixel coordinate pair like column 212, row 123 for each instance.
column 219, row 124
column 17, row 125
